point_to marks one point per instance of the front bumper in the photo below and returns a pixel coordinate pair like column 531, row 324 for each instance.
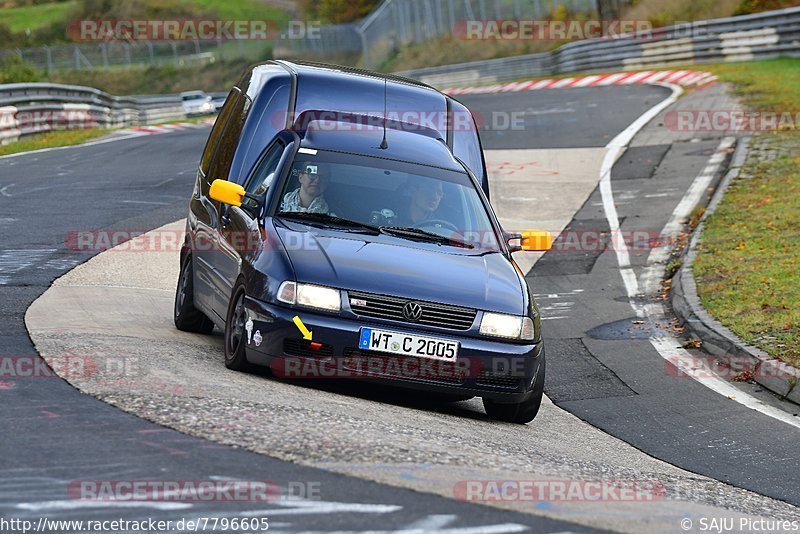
column 503, row 372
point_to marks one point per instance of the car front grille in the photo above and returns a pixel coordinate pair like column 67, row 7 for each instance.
column 381, row 364
column 433, row 314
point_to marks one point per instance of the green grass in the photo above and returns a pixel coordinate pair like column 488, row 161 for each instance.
column 764, row 85
column 53, row 139
column 19, row 19
column 748, row 262
column 244, row 10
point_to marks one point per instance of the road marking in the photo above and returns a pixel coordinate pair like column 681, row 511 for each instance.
column 13, row 261
column 306, row 507
column 667, row 346
column 4, row 191
column 76, row 504
column 153, row 202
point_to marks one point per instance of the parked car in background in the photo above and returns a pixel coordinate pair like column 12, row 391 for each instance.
column 196, row 103
column 218, row 100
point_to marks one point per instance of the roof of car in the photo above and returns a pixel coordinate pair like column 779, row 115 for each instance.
column 400, row 145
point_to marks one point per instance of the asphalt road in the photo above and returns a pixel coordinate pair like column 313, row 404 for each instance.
column 604, row 369
column 598, row 370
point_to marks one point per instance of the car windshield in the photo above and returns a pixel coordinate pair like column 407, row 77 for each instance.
column 368, row 194
column 194, row 97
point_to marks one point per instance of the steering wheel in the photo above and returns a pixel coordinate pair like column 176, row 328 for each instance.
column 437, row 222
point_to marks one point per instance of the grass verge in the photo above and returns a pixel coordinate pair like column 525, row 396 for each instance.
column 53, row 139
column 19, row 19
column 748, row 261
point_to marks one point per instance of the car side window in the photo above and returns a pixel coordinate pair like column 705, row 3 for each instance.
column 264, row 174
column 217, row 129
column 223, row 158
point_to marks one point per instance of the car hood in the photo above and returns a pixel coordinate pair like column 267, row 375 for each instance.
column 406, row 269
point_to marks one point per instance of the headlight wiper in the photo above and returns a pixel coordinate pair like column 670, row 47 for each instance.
column 329, row 221
column 424, row 235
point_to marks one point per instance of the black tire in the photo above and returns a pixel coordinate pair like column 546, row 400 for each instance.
column 235, row 342
column 186, row 316
column 522, row 412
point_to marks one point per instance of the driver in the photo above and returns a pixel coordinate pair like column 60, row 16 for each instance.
column 425, row 196
column 313, row 178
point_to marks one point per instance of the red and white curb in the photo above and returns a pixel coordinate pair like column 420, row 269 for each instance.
column 154, row 129
column 679, row 77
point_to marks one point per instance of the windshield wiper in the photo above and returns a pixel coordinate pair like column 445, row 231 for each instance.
column 424, row 235
column 329, row 221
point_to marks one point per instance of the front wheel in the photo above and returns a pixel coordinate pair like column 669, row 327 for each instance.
column 520, row 412
column 186, row 316
column 235, row 335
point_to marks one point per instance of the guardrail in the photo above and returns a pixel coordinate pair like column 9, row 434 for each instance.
column 758, row 36
column 30, row 108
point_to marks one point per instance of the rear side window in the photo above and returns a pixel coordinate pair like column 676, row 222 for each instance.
column 216, row 131
column 229, row 140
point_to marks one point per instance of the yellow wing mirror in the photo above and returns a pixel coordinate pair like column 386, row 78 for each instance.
column 530, row 240
column 227, row 192
column 536, row 240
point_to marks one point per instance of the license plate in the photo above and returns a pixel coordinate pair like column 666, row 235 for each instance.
column 408, row 344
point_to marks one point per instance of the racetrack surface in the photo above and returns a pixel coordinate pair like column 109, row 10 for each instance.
column 357, row 429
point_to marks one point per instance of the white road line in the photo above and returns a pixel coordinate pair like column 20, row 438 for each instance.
column 668, row 347
column 90, row 143
column 659, row 255
column 75, row 504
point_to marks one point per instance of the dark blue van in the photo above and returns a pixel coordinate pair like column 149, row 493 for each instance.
column 340, row 227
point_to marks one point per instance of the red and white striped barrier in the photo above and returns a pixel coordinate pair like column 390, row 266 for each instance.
column 679, row 77
column 154, row 129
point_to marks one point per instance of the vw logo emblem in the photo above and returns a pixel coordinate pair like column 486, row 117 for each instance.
column 412, row 311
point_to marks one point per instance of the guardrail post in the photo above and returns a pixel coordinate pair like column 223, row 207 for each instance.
column 48, row 54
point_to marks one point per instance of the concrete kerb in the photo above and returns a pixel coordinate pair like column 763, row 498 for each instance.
column 718, row 340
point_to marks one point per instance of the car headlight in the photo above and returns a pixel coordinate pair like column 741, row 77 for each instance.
column 313, row 296
column 507, row 326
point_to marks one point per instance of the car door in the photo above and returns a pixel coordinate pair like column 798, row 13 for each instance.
column 203, row 211
column 240, row 237
column 210, row 258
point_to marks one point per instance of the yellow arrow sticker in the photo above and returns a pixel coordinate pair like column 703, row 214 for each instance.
column 300, row 326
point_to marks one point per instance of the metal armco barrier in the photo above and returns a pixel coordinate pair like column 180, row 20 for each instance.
column 759, row 36
column 29, row 108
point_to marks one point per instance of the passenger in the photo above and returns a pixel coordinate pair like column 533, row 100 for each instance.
column 425, row 196
column 313, row 178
